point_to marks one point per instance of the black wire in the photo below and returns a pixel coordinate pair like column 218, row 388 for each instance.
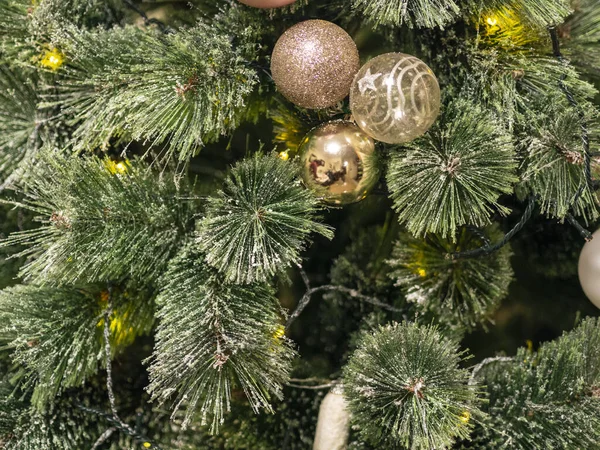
column 488, row 249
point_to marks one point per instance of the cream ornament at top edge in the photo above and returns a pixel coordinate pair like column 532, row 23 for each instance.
column 267, row 3
column 589, row 269
column 314, row 63
column 395, row 98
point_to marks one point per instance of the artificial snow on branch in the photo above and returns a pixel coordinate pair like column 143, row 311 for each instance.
column 215, row 338
column 180, row 89
column 414, row 13
column 258, row 224
column 545, row 399
column 405, row 388
column 101, row 220
column 461, row 292
column 55, row 333
column 455, row 174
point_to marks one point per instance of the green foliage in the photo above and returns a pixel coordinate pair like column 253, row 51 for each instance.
column 63, row 427
column 540, row 13
column 83, row 13
column 13, row 27
column 461, row 292
column 514, row 81
column 56, row 333
column 554, row 162
column 547, row 399
column 453, row 175
column 180, row 89
column 19, row 119
column 99, row 224
column 581, row 35
column 214, row 338
column 258, row 224
column 414, row 13
column 404, row 387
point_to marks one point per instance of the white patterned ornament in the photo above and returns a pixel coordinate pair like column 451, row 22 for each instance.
column 589, row 269
column 395, row 98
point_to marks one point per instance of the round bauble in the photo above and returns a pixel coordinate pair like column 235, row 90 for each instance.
column 589, row 269
column 395, row 98
column 339, row 162
column 313, row 64
column 267, row 3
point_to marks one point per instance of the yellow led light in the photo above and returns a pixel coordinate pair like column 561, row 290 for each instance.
column 422, row 273
column 284, row 155
column 147, row 445
column 121, row 167
column 52, row 59
column 492, row 21
column 280, row 332
column 117, row 167
column 465, row 417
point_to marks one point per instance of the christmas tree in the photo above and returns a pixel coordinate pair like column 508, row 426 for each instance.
column 299, row 224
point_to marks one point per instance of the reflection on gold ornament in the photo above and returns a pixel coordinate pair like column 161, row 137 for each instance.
column 395, row 98
column 339, row 162
column 313, row 64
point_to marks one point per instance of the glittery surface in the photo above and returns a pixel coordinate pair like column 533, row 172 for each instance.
column 267, row 3
column 339, row 162
column 395, row 98
column 314, row 63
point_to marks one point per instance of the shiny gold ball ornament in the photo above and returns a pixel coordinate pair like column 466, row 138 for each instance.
column 267, row 3
column 395, row 98
column 339, row 162
column 314, row 63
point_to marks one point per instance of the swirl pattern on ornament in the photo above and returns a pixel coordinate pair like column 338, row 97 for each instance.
column 395, row 98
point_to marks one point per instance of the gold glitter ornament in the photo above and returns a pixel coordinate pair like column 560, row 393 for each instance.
column 395, row 98
column 339, row 162
column 267, row 3
column 313, row 64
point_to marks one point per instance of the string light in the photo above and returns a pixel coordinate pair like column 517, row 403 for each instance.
column 492, row 21
column 52, row 59
column 465, row 417
column 280, row 332
column 285, row 155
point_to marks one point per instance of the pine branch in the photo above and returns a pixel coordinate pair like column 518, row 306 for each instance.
column 99, row 224
column 581, row 36
column 62, row 427
column 461, row 292
column 56, row 333
column 214, row 338
column 414, row 13
column 48, row 14
column 405, row 388
column 180, row 90
column 554, row 165
column 454, row 175
column 538, row 13
column 20, row 120
column 258, row 224
column 547, row 399
column 13, row 25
